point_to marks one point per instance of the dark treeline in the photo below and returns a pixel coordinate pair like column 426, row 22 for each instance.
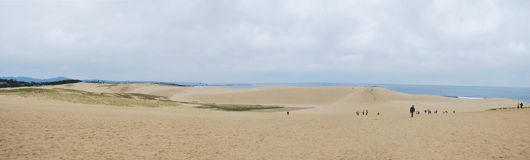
column 165, row 83
column 14, row 83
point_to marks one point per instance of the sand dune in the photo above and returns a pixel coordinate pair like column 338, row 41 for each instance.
column 321, row 100
column 318, row 100
column 346, row 99
column 33, row 128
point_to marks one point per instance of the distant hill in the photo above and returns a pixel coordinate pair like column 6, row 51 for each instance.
column 25, row 81
column 155, row 82
column 29, row 79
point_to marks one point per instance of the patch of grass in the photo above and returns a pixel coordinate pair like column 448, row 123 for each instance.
column 68, row 90
column 121, row 99
column 109, row 85
column 194, row 102
column 84, row 97
column 146, row 96
column 234, row 107
column 503, row 108
column 28, row 90
column 124, row 95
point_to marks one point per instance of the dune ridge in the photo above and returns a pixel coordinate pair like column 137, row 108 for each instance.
column 318, row 100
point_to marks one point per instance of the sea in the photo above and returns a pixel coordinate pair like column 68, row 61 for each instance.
column 464, row 92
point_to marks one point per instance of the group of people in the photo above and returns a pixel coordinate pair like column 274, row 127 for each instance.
column 364, row 112
column 520, row 105
column 427, row 111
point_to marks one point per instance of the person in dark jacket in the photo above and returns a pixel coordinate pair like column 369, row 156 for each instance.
column 521, row 105
column 412, row 109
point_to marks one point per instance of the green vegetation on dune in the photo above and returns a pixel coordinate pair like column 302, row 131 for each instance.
column 111, row 84
column 494, row 109
column 124, row 95
column 234, row 107
column 84, row 97
column 121, row 99
column 146, row 96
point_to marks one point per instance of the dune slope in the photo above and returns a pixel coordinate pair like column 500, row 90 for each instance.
column 319, row 100
column 33, row 128
column 346, row 99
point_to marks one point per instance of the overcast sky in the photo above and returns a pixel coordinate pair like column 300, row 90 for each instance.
column 474, row 43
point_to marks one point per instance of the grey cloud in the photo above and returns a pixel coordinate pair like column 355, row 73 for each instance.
column 413, row 42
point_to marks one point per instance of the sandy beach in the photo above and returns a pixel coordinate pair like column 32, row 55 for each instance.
column 322, row 125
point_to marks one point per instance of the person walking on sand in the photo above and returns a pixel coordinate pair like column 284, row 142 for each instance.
column 357, row 113
column 363, row 112
column 366, row 112
column 518, row 106
column 412, row 109
column 521, row 105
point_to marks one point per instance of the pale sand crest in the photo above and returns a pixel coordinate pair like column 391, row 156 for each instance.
column 46, row 129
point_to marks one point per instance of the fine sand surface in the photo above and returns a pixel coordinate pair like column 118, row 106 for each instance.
column 320, row 100
column 35, row 128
